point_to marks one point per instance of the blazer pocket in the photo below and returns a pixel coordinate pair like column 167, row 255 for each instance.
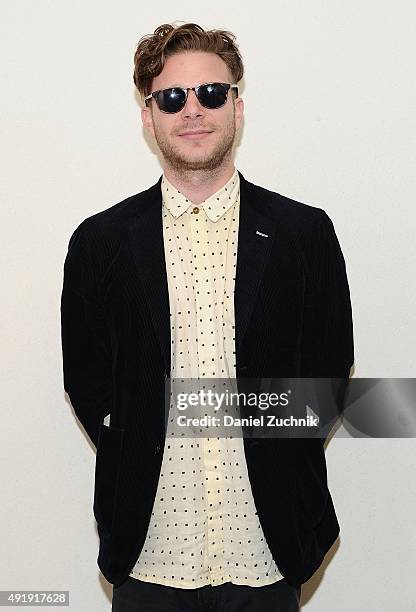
column 107, row 467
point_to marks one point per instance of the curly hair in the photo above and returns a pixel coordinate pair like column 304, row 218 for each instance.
column 167, row 40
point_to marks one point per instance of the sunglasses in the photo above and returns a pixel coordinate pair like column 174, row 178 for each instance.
column 173, row 99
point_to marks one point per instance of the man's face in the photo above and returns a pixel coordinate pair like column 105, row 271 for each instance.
column 205, row 151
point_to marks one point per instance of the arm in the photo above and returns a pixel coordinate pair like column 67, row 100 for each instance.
column 86, row 347
column 327, row 342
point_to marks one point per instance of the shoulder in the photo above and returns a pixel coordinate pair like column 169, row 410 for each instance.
column 116, row 219
column 298, row 217
column 278, row 204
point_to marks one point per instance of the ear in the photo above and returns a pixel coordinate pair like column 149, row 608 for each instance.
column 147, row 120
column 239, row 112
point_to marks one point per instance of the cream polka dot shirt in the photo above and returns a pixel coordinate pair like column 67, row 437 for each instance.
column 204, row 527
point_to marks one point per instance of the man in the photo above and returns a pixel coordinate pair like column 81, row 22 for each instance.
column 204, row 274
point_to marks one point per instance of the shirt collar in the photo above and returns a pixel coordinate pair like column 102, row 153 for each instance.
column 215, row 206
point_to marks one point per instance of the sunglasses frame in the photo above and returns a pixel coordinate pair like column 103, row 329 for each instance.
column 186, row 91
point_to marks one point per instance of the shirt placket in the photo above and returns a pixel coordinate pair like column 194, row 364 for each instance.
column 207, row 367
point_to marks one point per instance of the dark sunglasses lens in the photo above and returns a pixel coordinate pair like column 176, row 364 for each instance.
column 212, row 95
column 170, row 100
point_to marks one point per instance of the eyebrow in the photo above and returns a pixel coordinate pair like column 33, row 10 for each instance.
column 183, row 86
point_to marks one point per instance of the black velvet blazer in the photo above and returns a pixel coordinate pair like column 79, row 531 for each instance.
column 292, row 319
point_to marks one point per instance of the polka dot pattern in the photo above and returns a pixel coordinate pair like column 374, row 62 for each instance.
column 204, row 527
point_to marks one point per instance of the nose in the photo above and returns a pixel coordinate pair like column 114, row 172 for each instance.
column 192, row 108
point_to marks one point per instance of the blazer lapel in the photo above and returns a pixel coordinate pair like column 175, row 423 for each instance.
column 256, row 232
column 255, row 238
column 146, row 243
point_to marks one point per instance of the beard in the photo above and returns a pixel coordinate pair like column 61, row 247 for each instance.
column 181, row 162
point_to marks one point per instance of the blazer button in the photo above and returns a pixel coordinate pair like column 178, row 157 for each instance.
column 157, row 449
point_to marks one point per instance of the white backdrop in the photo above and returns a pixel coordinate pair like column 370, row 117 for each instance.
column 329, row 96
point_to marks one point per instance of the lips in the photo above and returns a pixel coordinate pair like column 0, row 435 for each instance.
column 195, row 133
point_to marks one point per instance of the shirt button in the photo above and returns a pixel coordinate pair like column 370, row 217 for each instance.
column 195, row 210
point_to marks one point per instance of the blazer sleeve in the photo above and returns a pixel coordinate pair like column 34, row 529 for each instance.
column 86, row 349
column 327, row 337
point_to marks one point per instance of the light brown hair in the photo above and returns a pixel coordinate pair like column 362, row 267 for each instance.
column 153, row 50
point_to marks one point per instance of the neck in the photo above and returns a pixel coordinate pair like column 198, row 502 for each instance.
column 198, row 185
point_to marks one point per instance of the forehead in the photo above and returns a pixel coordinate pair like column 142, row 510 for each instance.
column 191, row 68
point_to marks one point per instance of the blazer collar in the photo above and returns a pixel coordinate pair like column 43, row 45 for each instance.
column 257, row 228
